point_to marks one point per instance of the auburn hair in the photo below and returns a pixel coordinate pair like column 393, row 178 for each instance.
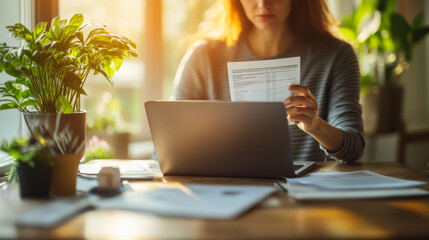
column 307, row 19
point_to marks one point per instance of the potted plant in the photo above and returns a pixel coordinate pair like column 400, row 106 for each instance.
column 51, row 67
column 45, row 164
column 66, row 157
column 384, row 41
column 32, row 165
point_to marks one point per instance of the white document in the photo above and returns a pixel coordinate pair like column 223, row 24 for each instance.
column 195, row 201
column 308, row 192
column 353, row 180
column 54, row 212
column 129, row 169
column 263, row 81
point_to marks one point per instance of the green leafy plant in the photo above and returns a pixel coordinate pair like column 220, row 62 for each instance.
column 52, row 65
column 108, row 117
column 40, row 146
column 383, row 39
column 32, row 152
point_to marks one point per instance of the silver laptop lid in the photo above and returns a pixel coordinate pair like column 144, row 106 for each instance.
column 223, row 139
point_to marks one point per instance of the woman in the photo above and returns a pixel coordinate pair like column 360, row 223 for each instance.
column 326, row 104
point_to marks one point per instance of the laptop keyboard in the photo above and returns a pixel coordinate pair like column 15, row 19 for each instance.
column 297, row 166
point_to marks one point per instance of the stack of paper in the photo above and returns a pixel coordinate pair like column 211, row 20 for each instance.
column 129, row 169
column 350, row 185
column 191, row 200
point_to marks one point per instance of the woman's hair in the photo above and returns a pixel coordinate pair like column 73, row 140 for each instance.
column 307, row 18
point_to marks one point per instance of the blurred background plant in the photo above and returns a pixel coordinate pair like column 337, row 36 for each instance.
column 383, row 40
column 107, row 124
column 107, row 117
column 97, row 149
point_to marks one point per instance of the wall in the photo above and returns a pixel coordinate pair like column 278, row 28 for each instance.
column 416, row 83
column 9, row 14
column 12, row 12
column 417, row 98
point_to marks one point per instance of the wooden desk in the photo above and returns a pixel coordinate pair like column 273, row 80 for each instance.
column 278, row 217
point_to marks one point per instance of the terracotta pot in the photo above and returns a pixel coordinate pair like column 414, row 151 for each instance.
column 34, row 182
column 76, row 122
column 64, row 174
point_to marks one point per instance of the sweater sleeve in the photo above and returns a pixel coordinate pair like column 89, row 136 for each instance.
column 344, row 110
column 188, row 82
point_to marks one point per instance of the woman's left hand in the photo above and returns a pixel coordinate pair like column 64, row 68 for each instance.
column 302, row 108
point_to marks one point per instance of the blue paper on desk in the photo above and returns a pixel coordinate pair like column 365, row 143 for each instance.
column 195, row 201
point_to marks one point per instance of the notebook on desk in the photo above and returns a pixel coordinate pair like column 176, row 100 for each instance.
column 223, row 139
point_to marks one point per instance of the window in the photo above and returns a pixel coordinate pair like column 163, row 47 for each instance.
column 138, row 80
column 126, row 18
column 182, row 19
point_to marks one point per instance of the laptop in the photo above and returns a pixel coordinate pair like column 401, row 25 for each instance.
column 223, row 139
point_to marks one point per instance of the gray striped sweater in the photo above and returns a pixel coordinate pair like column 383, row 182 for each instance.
column 329, row 69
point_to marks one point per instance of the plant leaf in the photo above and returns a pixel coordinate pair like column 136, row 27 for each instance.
column 401, row 34
column 418, row 21
column 97, row 31
column 10, row 105
column 73, row 82
column 76, row 20
column 99, row 70
column 108, row 67
column 419, row 34
column 26, row 94
column 30, row 102
column 79, row 36
column 63, row 104
column 39, row 29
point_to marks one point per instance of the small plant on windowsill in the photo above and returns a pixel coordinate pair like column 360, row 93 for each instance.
column 97, row 149
column 45, row 163
column 27, row 152
column 108, row 125
column 32, row 164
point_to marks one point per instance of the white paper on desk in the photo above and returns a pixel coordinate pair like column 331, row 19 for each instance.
column 54, row 212
column 195, row 201
column 353, row 180
column 307, row 192
column 264, row 80
column 129, row 169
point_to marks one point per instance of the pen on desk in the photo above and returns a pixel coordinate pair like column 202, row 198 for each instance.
column 279, row 187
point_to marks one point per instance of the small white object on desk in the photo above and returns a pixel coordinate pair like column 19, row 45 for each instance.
column 109, row 178
column 129, row 169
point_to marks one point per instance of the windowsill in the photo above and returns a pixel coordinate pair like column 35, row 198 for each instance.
column 6, row 163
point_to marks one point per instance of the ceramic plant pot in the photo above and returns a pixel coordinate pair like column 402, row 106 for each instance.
column 64, row 174
column 76, row 122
